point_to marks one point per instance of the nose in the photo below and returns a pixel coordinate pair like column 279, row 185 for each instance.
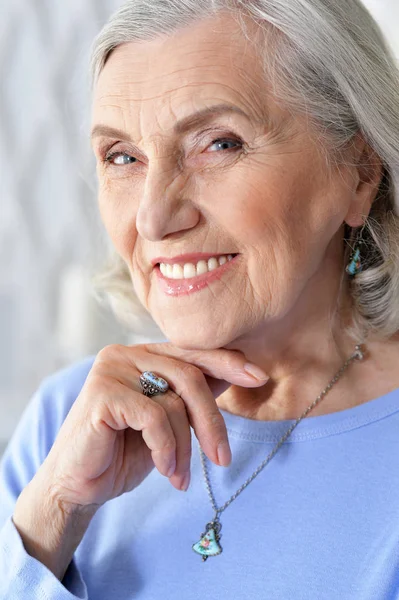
column 165, row 206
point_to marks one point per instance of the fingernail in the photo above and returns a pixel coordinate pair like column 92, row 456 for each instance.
column 171, row 470
column 224, row 454
column 186, row 482
column 256, row 372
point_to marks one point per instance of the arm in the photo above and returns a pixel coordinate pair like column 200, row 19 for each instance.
column 49, row 532
column 24, row 545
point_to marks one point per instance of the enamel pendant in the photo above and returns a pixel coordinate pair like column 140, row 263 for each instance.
column 355, row 266
column 209, row 542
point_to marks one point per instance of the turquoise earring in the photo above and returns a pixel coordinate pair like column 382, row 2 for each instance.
column 355, row 266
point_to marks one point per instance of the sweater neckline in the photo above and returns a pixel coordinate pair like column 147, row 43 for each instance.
column 316, row 427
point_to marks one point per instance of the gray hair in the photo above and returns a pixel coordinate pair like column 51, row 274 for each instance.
column 329, row 61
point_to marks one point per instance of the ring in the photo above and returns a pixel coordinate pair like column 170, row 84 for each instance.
column 152, row 384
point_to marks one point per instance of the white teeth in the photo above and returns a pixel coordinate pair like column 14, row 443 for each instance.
column 190, row 270
column 177, row 272
column 202, row 267
column 213, row 263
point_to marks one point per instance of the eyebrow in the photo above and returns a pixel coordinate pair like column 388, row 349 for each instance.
column 181, row 126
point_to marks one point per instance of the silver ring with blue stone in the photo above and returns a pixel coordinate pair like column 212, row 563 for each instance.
column 152, row 384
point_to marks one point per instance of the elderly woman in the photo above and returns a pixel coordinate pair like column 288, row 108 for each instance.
column 248, row 165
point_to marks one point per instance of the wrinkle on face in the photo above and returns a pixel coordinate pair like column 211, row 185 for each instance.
column 273, row 201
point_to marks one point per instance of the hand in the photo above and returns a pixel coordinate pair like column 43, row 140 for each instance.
column 114, row 435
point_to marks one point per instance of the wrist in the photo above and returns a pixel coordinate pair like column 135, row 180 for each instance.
column 50, row 530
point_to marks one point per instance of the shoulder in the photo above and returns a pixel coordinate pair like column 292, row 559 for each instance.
column 70, row 378
column 53, row 399
column 39, row 425
column 59, row 390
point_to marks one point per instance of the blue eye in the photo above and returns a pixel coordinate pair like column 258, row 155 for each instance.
column 223, row 144
column 125, row 159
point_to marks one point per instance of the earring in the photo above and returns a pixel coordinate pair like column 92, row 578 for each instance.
column 355, row 266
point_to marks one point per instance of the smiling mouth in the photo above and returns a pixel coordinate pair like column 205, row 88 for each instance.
column 190, row 270
column 181, row 286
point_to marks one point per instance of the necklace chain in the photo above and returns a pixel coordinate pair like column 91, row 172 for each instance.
column 357, row 355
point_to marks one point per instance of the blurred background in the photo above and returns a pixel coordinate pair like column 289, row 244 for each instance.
column 51, row 238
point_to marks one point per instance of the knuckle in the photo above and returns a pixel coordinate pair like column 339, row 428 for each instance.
column 217, row 422
column 109, row 352
column 187, row 371
column 174, row 402
column 154, row 414
column 99, row 385
column 170, row 446
column 146, row 347
column 135, row 349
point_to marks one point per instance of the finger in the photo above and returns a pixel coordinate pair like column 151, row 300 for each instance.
column 198, row 395
column 128, row 408
column 220, row 365
column 176, row 410
column 188, row 382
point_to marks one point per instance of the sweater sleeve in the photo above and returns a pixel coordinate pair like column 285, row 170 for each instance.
column 23, row 577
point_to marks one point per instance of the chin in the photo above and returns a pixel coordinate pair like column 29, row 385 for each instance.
column 197, row 337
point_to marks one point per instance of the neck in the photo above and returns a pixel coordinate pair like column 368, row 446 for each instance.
column 302, row 352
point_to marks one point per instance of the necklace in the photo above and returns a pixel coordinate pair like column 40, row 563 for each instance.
column 209, row 543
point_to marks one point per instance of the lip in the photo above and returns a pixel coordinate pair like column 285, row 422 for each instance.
column 179, row 287
column 185, row 258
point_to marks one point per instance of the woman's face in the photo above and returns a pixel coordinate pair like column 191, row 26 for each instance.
column 167, row 187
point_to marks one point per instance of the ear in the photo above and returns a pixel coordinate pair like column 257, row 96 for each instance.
column 368, row 170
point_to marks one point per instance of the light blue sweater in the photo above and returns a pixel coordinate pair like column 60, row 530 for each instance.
column 320, row 522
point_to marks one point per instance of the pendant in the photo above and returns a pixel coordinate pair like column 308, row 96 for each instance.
column 209, row 542
column 355, row 265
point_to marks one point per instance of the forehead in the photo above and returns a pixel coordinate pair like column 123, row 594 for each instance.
column 172, row 75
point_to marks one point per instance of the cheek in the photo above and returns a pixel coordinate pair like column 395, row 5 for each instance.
column 264, row 213
column 276, row 233
column 283, row 224
column 284, row 212
column 118, row 215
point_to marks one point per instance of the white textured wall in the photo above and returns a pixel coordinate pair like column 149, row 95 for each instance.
column 48, row 217
column 48, row 221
